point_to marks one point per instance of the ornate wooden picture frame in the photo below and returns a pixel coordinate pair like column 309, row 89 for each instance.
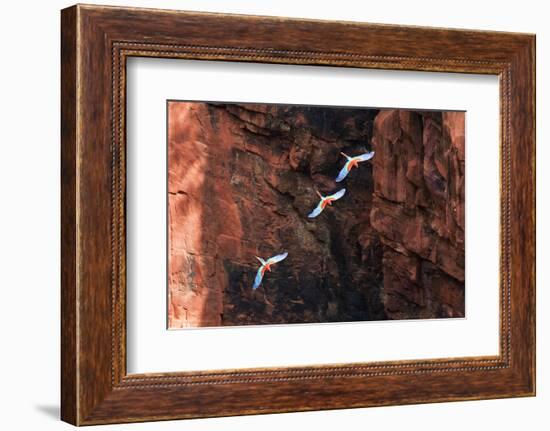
column 96, row 41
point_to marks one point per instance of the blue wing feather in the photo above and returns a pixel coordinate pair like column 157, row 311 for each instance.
column 258, row 278
column 365, row 157
column 277, row 258
column 316, row 211
column 343, row 173
column 338, row 194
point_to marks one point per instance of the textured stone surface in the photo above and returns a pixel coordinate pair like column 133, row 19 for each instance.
column 418, row 211
column 242, row 180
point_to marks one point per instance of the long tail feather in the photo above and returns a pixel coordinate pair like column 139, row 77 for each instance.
column 260, row 259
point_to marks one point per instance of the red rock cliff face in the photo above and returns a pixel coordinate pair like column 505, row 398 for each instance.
column 418, row 211
column 242, row 179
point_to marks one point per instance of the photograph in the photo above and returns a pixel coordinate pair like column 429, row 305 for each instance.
column 293, row 214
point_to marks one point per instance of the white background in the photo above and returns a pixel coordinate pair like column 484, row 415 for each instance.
column 151, row 348
column 29, row 224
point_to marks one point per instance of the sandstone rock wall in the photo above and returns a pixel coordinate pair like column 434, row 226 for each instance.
column 418, row 211
column 242, row 180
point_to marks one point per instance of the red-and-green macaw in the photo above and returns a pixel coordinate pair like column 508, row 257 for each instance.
column 353, row 162
column 326, row 200
column 266, row 266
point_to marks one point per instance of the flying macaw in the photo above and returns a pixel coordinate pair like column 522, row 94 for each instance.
column 266, row 266
column 353, row 162
column 326, row 200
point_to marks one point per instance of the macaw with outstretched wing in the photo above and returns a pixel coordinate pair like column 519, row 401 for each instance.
column 266, row 266
column 326, row 200
column 352, row 162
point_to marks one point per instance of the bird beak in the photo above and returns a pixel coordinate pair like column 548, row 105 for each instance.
column 319, row 194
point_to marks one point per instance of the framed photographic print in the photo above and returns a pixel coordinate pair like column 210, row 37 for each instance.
column 264, row 214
